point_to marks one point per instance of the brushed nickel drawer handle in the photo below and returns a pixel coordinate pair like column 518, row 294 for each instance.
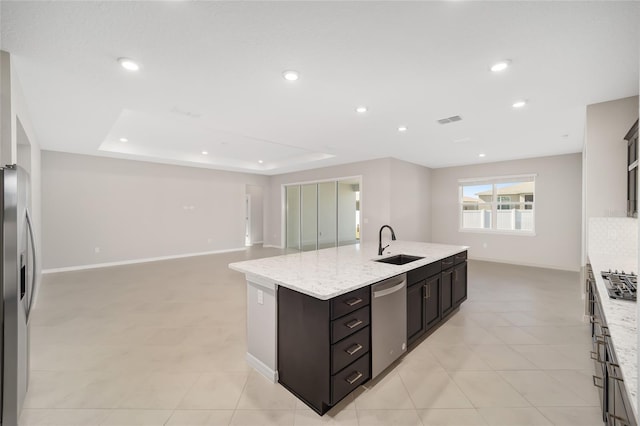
column 353, row 323
column 354, row 377
column 447, row 263
column 353, row 302
column 595, row 384
column 353, row 349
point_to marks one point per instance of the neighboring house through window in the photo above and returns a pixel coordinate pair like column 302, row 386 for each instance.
column 498, row 204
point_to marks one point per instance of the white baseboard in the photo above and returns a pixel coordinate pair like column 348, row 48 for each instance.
column 273, row 246
column 534, row 265
column 130, row 262
column 253, row 243
column 261, row 368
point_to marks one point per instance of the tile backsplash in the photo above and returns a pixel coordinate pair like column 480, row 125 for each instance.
column 617, row 236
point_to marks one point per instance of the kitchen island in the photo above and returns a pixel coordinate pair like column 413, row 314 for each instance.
column 304, row 310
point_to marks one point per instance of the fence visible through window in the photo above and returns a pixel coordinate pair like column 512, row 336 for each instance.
column 498, row 204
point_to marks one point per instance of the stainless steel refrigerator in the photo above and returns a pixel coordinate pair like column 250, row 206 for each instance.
column 19, row 289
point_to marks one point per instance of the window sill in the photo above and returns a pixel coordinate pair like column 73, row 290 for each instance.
column 499, row 232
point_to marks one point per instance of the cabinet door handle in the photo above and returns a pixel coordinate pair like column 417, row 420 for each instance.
column 353, row 349
column 353, row 323
column 354, row 377
column 426, row 292
column 621, row 420
column 612, row 373
column 596, row 357
column 353, row 302
column 595, row 384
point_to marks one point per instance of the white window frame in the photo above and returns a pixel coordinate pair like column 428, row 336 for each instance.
column 495, row 202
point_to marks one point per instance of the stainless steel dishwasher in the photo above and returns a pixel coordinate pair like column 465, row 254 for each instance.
column 388, row 322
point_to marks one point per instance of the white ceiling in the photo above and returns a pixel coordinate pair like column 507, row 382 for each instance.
column 211, row 78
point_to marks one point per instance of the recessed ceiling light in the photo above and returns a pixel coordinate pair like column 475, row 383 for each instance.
column 402, row 128
column 482, row 155
column 291, row 75
column 260, row 161
column 205, row 153
column 361, row 109
column 519, row 104
column 129, row 64
column 124, row 140
column 500, row 66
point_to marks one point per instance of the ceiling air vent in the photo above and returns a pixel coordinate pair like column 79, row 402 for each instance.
column 451, row 119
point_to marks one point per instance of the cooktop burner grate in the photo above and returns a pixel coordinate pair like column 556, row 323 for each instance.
column 621, row 285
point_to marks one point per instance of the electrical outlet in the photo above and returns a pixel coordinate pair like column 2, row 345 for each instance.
column 484, row 245
column 96, row 250
column 260, row 297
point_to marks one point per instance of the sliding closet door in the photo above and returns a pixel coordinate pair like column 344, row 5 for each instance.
column 327, row 215
column 293, row 217
column 309, row 217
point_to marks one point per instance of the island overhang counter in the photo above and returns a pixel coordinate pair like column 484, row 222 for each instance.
column 317, row 279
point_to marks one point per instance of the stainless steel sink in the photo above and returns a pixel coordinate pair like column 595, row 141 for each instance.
column 399, row 259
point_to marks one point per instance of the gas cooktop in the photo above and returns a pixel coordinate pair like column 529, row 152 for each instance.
column 620, row 285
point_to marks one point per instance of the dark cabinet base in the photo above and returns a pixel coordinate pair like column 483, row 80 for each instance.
column 323, row 346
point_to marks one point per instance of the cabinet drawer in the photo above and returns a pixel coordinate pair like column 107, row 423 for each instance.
column 348, row 350
column 416, row 275
column 448, row 262
column 350, row 378
column 349, row 324
column 349, row 302
column 460, row 257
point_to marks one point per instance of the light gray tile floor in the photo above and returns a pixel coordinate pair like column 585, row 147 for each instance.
column 163, row 343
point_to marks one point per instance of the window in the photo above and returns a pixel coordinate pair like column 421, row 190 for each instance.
column 500, row 204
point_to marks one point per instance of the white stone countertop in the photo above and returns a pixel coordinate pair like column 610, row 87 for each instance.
column 621, row 318
column 327, row 273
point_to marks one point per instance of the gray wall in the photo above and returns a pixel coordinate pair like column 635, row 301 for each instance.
column 136, row 210
column 391, row 192
column 257, row 212
column 557, row 213
column 410, row 199
column 606, row 156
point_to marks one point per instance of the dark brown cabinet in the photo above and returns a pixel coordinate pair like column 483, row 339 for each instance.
column 323, row 345
column 423, row 300
column 459, row 285
column 433, row 292
column 632, row 170
column 446, row 281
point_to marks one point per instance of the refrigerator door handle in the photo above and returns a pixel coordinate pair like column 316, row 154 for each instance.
column 34, row 281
